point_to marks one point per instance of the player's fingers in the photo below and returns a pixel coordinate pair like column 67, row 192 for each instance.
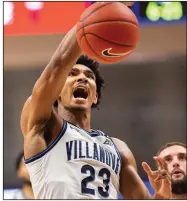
column 164, row 165
column 167, row 180
column 147, row 168
column 157, row 178
column 169, row 177
column 162, row 174
column 158, row 162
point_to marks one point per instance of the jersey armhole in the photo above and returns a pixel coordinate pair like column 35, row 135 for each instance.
column 41, row 154
column 117, row 151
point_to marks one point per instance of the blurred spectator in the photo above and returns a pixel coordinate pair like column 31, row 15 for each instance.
column 26, row 191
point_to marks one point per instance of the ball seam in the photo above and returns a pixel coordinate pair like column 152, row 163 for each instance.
column 95, row 11
column 90, row 45
column 109, row 21
column 106, row 40
column 93, row 49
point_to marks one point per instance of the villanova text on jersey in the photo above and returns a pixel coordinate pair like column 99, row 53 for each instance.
column 77, row 165
column 80, row 149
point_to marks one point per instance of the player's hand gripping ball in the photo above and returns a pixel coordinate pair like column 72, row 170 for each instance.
column 108, row 32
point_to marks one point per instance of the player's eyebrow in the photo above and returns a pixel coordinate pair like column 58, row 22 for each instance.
column 90, row 72
column 167, row 156
column 87, row 71
column 182, row 154
column 75, row 69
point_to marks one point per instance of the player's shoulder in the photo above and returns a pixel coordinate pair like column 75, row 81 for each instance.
column 123, row 148
column 119, row 142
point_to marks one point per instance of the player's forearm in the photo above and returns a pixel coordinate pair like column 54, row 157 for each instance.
column 67, row 52
column 52, row 80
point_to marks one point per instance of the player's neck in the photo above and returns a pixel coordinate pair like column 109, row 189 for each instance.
column 27, row 191
column 179, row 196
column 76, row 117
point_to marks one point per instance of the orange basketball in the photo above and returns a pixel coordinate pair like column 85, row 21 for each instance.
column 108, row 31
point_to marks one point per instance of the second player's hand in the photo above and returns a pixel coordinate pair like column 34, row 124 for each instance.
column 160, row 179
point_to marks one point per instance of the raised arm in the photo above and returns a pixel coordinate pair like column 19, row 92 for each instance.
column 38, row 107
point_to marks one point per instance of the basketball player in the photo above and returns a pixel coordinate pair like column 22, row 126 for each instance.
column 174, row 155
column 26, row 191
column 65, row 157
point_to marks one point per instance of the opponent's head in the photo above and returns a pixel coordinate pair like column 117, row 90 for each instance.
column 174, row 154
column 21, row 169
column 82, row 89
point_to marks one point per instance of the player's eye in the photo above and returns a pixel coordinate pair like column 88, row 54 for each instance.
column 182, row 157
column 90, row 76
column 168, row 159
column 71, row 73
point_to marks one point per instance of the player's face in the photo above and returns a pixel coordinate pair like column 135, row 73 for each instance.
column 175, row 158
column 79, row 91
column 22, row 172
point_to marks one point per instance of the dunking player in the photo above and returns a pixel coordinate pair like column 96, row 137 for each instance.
column 174, row 154
column 65, row 158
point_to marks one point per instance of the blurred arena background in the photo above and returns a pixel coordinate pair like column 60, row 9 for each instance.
column 144, row 101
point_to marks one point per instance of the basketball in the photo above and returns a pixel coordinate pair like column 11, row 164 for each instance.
column 107, row 32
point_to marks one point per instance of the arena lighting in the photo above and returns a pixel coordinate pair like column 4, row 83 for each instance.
column 8, row 13
column 167, row 11
column 34, row 8
column 32, row 18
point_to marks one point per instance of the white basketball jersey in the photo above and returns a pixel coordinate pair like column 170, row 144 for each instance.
column 77, row 165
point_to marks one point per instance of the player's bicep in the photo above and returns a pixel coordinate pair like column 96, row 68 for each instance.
column 34, row 116
column 38, row 107
column 131, row 185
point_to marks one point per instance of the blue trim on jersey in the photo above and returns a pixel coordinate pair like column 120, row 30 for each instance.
column 33, row 158
column 93, row 133
column 102, row 134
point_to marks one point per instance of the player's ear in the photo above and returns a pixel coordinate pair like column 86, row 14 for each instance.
column 95, row 98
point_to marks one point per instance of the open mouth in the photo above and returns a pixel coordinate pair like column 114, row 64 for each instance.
column 80, row 92
column 176, row 172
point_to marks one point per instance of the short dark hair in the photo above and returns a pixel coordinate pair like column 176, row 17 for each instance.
column 18, row 160
column 94, row 66
column 170, row 144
